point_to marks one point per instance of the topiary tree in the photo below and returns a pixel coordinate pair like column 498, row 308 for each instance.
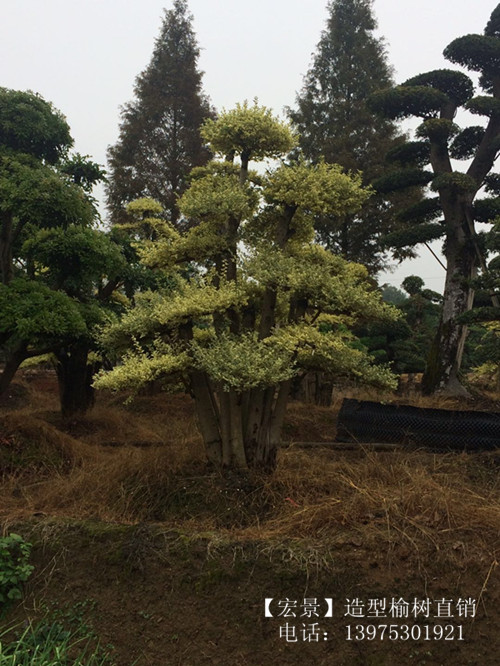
column 87, row 266
column 43, row 190
column 452, row 208
column 266, row 301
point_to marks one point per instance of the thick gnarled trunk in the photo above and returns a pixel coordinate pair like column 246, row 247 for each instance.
column 240, row 430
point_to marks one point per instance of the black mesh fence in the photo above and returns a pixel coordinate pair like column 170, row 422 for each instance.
column 438, row 429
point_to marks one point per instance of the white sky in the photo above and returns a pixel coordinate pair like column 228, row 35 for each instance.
column 83, row 56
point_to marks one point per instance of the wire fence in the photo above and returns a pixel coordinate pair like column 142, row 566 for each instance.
column 438, row 429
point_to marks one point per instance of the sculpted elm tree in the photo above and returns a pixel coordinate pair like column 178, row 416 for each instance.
column 261, row 301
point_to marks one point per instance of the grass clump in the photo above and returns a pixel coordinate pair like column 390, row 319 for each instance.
column 49, row 643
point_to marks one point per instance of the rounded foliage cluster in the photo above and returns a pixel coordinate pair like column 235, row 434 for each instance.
column 405, row 101
column 455, row 85
column 437, row 130
column 251, row 131
column 479, row 53
column 465, row 144
column 31, row 125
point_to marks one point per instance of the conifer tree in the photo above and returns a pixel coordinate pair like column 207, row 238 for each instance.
column 334, row 122
column 452, row 208
column 159, row 140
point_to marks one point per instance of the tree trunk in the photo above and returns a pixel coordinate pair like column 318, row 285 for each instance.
column 12, row 362
column 445, row 358
column 208, row 416
column 323, row 389
column 241, row 430
column 75, row 375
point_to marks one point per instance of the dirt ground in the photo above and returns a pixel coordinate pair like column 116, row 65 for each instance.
column 175, row 568
column 164, row 597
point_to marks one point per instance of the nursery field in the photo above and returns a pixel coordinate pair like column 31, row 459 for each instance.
column 369, row 557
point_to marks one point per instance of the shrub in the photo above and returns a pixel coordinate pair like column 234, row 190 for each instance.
column 14, row 569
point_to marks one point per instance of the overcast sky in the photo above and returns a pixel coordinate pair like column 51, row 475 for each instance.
column 83, row 55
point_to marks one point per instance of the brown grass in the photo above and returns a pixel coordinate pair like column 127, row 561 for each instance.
column 145, row 462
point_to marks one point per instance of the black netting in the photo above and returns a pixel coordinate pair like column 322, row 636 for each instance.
column 441, row 429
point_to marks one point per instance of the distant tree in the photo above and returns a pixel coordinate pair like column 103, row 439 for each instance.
column 392, row 294
column 159, row 140
column 269, row 302
column 404, row 343
column 452, row 212
column 335, row 123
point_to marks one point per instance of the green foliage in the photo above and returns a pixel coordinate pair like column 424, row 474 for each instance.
column 436, row 96
column 405, row 342
column 486, row 210
column 492, row 183
column 33, row 312
column 401, row 179
column 437, row 130
column 29, row 124
column 456, row 182
column 195, row 329
column 411, row 236
column 50, row 643
column 424, row 211
column 479, row 53
column 335, row 124
column 483, row 106
column 455, row 85
column 74, row 259
column 466, row 142
column 392, row 295
column 83, row 171
column 36, row 194
column 14, row 569
column 414, row 153
column 159, row 139
column 317, row 188
column 405, row 101
column 217, row 196
column 413, row 284
column 251, row 131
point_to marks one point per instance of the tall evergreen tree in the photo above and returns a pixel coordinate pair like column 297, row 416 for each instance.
column 453, row 211
column 159, row 140
column 335, row 124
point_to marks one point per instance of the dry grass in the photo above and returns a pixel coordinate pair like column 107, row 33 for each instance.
column 146, row 463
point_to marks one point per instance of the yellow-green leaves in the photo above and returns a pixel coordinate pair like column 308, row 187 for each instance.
column 139, row 368
column 251, row 131
column 333, row 352
column 320, row 188
column 243, row 362
column 217, row 197
column 249, row 316
column 144, row 207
